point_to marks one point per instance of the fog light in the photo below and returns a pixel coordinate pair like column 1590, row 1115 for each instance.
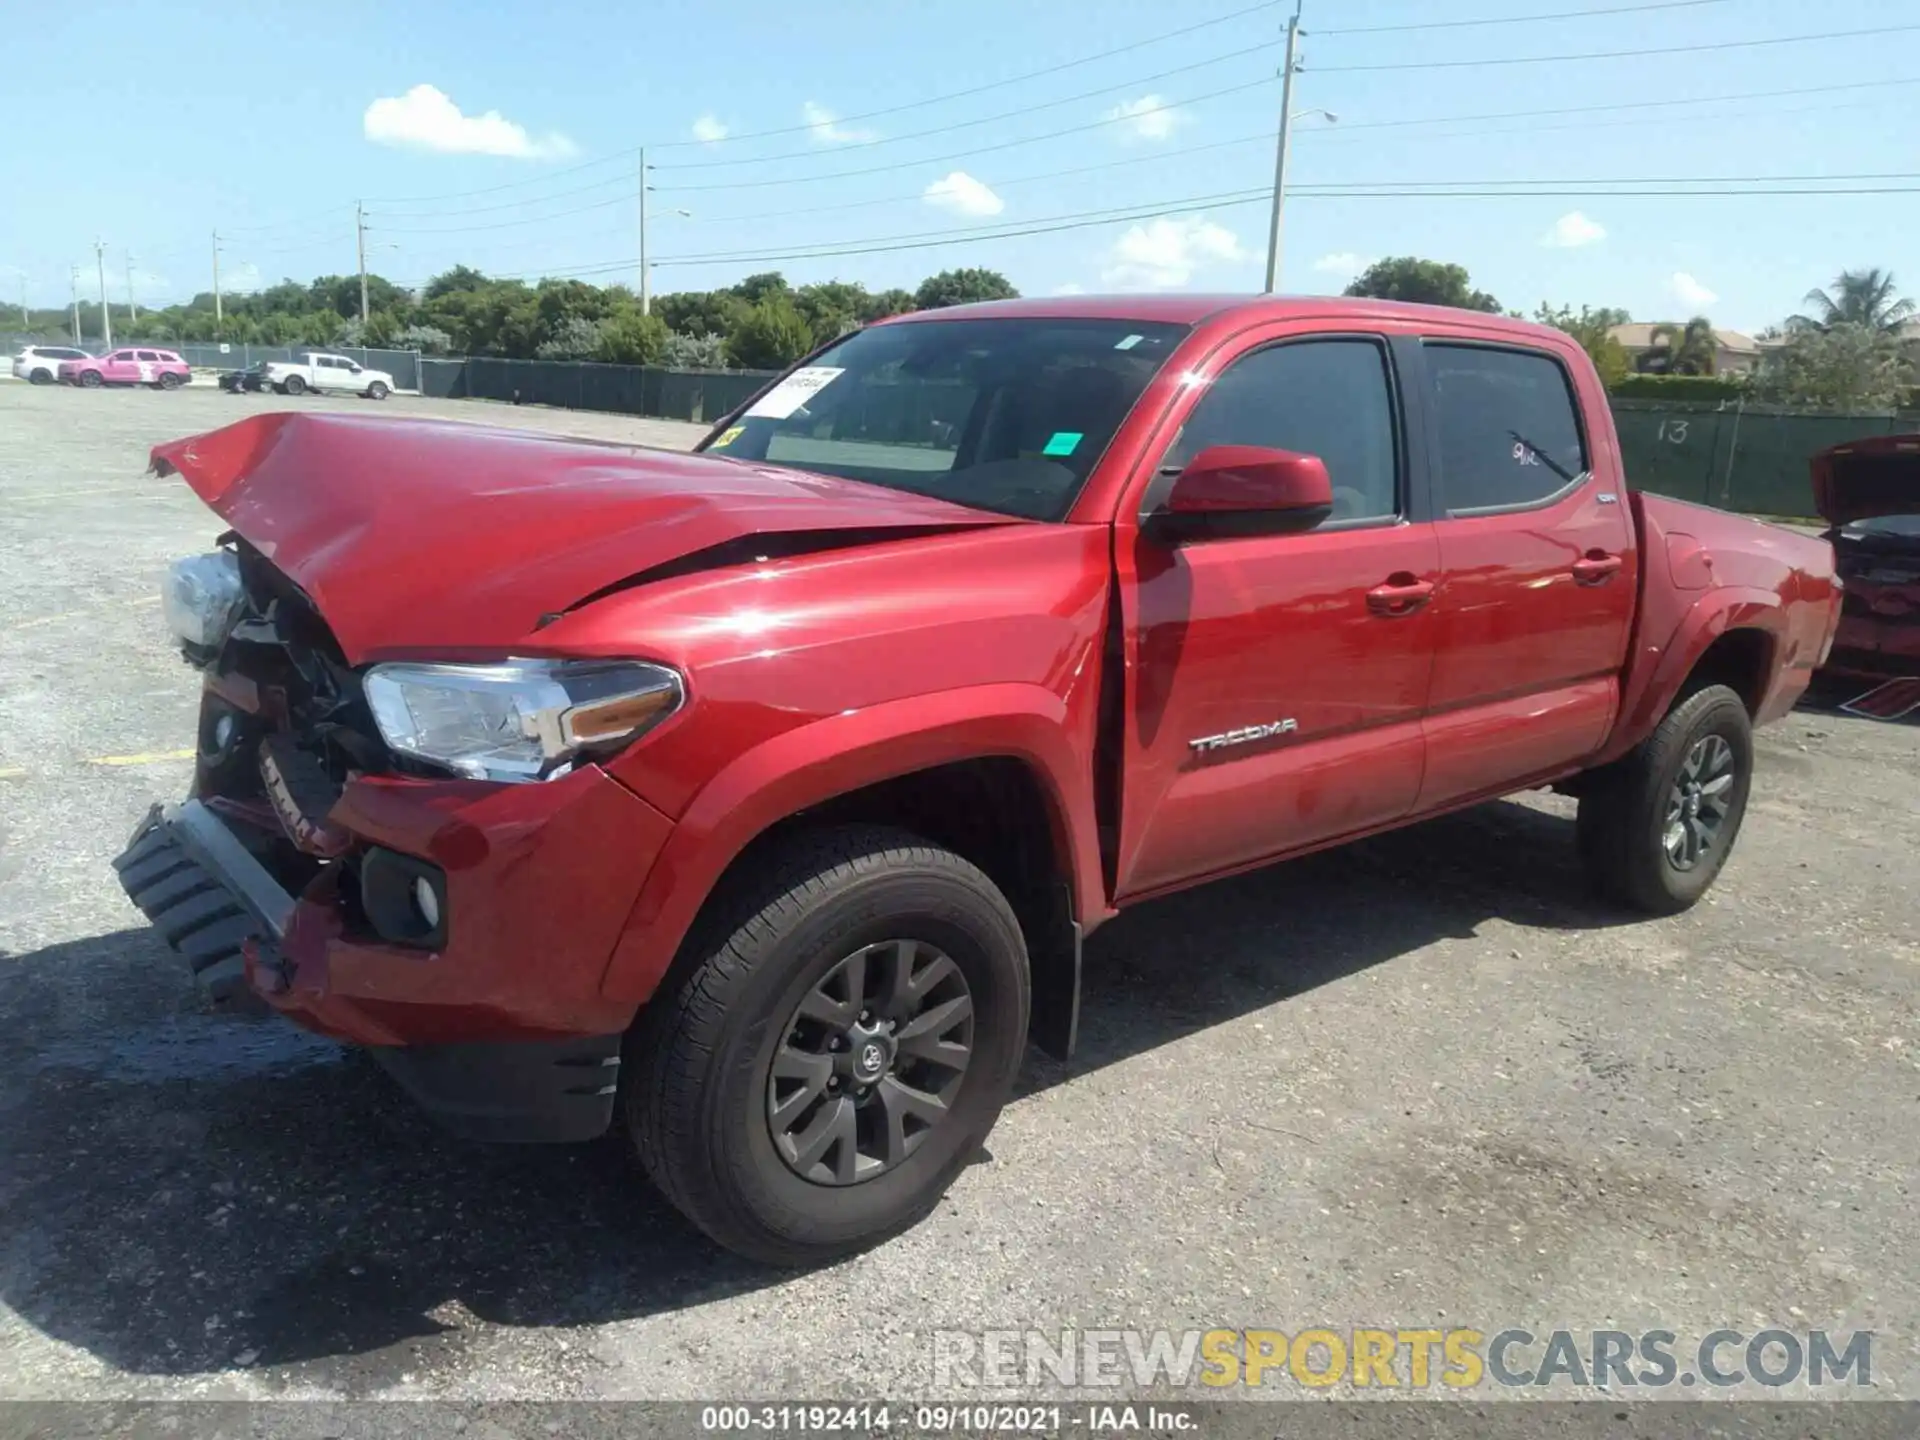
column 223, row 732
column 426, row 901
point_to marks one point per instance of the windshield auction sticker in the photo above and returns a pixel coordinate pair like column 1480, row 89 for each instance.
column 793, row 392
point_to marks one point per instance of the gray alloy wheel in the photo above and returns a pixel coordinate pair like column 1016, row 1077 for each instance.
column 1699, row 802
column 91, row 380
column 295, row 385
column 377, row 391
column 873, row 1055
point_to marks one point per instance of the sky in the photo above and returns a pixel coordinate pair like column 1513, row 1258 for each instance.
column 922, row 135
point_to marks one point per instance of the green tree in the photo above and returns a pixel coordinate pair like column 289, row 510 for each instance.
column 1424, row 282
column 1857, row 297
column 1593, row 328
column 756, row 288
column 1845, row 366
column 831, row 309
column 629, row 338
column 770, row 336
column 574, row 338
column 962, row 287
column 1689, row 349
column 887, row 302
column 695, row 352
column 450, row 282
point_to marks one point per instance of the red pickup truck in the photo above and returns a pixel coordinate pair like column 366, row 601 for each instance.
column 757, row 800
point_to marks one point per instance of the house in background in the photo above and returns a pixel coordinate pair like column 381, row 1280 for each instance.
column 1733, row 352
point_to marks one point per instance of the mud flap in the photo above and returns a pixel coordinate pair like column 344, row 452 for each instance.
column 1055, row 1026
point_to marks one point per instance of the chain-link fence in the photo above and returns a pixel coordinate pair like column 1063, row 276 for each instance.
column 697, row 395
column 1736, row 456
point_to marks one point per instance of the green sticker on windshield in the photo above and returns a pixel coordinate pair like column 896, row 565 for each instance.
column 1064, row 442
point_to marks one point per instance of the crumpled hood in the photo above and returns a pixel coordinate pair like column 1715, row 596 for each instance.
column 1865, row 479
column 423, row 536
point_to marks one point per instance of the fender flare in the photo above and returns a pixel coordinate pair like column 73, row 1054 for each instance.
column 1665, row 664
column 842, row 753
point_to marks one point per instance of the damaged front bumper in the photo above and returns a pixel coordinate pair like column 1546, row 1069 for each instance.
column 500, row 1032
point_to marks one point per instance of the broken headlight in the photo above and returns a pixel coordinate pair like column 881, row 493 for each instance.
column 201, row 597
column 522, row 719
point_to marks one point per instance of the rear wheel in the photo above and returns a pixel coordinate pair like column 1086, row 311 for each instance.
column 91, row 379
column 169, row 381
column 294, row 385
column 1656, row 828
column 41, row 377
column 844, row 1043
column 377, row 391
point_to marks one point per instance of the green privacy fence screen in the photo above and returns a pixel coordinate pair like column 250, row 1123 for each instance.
column 1736, row 457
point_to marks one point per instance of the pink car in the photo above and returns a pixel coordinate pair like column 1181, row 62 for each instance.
column 161, row 369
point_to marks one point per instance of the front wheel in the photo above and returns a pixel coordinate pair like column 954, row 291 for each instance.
column 836, row 1056
column 1657, row 826
column 169, row 381
column 377, row 391
column 91, row 380
column 294, row 385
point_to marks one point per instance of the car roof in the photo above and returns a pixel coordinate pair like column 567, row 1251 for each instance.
column 1192, row 309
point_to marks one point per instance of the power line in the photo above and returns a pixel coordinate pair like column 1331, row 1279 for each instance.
column 1001, row 84
column 956, row 154
column 628, row 153
column 1613, row 54
column 1515, row 19
column 1235, row 54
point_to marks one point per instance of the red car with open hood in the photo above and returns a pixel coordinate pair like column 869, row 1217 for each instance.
column 756, row 801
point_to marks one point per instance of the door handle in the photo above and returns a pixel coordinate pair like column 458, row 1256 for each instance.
column 1401, row 595
column 1596, row 567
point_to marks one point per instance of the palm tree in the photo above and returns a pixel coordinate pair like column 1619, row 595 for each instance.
column 1688, row 349
column 1858, row 297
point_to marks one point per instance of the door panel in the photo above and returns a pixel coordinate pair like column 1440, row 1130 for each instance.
column 1241, row 633
column 1537, row 584
column 1299, row 661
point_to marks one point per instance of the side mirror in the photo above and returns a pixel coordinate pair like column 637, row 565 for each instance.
column 1229, row 490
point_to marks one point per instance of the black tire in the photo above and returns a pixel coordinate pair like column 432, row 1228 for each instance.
column 1626, row 817
column 91, row 380
column 40, row 377
column 169, row 381
column 699, row 1093
column 293, row 385
column 377, row 391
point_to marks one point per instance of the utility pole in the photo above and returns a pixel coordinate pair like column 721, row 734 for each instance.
column 646, row 286
column 360, row 235
column 25, row 324
column 73, row 280
column 218, row 319
column 106, row 319
column 1280, row 149
column 133, row 310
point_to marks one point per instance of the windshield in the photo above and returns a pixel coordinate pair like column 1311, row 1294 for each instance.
column 1006, row 415
column 1902, row 525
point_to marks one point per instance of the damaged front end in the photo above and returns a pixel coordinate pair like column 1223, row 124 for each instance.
column 284, row 727
column 1869, row 490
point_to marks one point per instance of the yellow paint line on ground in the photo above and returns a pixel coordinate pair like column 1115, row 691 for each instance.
column 152, row 757
column 12, row 772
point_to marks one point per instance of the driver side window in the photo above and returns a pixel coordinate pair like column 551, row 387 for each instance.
column 1330, row 398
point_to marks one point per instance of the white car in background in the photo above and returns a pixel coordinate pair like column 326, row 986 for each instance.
column 41, row 363
column 320, row 372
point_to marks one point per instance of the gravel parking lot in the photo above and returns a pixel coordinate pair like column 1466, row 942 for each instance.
column 1423, row 1081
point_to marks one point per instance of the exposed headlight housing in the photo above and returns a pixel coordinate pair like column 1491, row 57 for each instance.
column 201, row 597
column 520, row 720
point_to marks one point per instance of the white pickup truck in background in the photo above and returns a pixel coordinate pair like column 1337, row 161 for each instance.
column 320, row 372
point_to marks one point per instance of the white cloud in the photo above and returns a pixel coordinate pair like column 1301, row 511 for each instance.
column 827, row 129
column 1164, row 254
column 709, row 129
column 1690, row 292
column 1148, row 118
column 1343, row 263
column 426, row 119
column 1573, row 230
column 963, row 195
column 1072, row 287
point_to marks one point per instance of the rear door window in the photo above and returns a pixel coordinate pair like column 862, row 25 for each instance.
column 151, row 356
column 1506, row 428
